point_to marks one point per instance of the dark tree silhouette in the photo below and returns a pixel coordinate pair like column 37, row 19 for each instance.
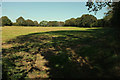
column 6, row 21
column 96, row 6
column 21, row 21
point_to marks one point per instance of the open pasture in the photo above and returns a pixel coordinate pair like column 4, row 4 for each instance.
column 9, row 32
column 60, row 52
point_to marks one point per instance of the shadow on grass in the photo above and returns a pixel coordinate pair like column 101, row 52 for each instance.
column 64, row 54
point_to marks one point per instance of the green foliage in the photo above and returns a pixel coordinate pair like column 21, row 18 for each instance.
column 6, row 21
column 97, row 5
column 85, row 20
column 0, row 22
column 113, row 16
column 99, row 23
column 60, row 23
column 21, row 21
column 29, row 22
column 15, row 24
column 43, row 23
column 70, row 22
column 53, row 23
column 107, row 20
column 78, row 21
column 116, row 14
column 36, row 23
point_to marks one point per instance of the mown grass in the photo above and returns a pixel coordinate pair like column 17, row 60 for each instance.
column 9, row 32
column 83, row 53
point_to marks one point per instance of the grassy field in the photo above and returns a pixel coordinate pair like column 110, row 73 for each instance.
column 9, row 32
column 60, row 52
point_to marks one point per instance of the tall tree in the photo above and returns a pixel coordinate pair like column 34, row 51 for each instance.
column 96, row 6
column 98, row 23
column 29, row 22
column 70, row 22
column 21, row 21
column 87, row 20
column 36, row 23
column 6, row 21
column 60, row 23
column 78, row 21
column 116, row 14
column 0, row 22
column 53, row 23
column 43, row 23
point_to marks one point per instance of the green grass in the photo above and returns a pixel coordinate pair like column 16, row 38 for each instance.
column 9, row 32
column 59, row 52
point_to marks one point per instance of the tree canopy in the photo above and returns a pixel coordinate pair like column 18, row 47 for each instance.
column 113, row 16
column 53, row 23
column 84, row 21
column 43, row 23
column 6, row 21
column 29, row 22
column 21, row 21
column 36, row 23
column 70, row 22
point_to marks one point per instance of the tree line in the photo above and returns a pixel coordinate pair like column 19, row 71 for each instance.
column 5, row 21
column 85, row 20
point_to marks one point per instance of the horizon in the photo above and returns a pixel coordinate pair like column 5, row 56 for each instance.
column 48, row 11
